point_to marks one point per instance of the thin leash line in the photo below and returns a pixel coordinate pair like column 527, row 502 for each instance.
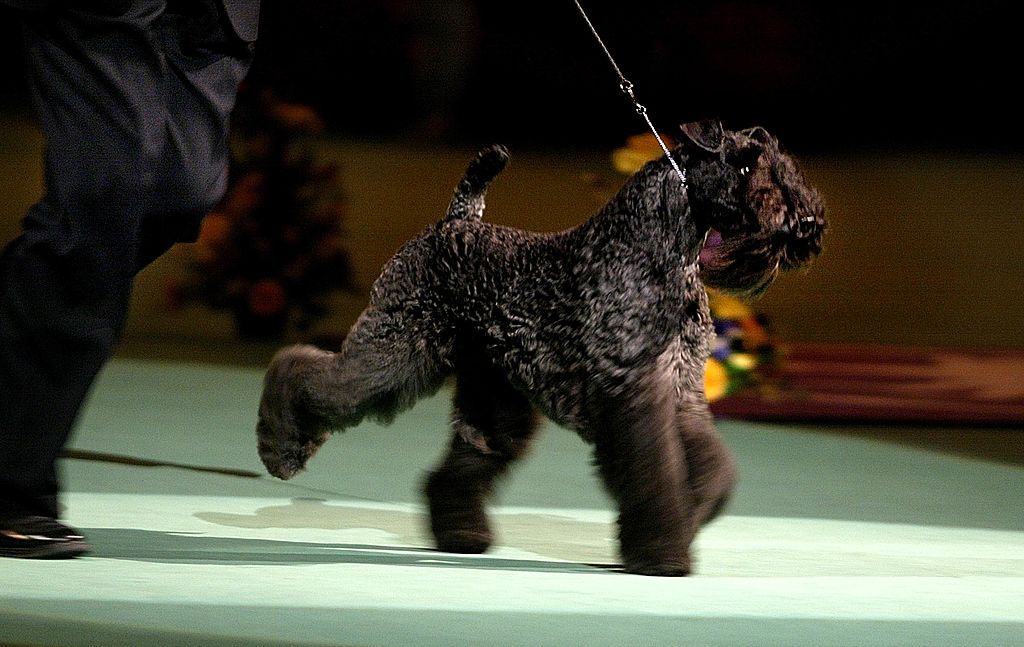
column 627, row 88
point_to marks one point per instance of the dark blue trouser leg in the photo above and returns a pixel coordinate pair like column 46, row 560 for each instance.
column 134, row 109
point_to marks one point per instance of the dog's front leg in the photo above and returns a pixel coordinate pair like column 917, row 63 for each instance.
column 641, row 460
column 711, row 472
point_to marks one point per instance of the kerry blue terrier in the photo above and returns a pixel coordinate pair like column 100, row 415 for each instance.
column 603, row 328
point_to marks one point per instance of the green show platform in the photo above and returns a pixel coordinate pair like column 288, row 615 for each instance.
column 831, row 540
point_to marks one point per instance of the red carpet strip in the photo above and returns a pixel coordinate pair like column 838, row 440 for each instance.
column 824, row 382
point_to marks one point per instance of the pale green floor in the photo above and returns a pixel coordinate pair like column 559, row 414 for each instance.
column 831, row 540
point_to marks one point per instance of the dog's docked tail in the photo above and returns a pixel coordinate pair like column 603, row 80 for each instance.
column 468, row 201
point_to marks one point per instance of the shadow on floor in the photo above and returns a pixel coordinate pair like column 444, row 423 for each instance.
column 133, row 544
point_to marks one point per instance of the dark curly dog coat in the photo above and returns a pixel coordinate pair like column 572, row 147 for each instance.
column 603, row 328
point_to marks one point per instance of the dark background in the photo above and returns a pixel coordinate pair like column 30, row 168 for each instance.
column 827, row 77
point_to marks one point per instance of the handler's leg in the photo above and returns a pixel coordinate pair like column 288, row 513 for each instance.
column 66, row 279
column 206, row 63
column 102, row 85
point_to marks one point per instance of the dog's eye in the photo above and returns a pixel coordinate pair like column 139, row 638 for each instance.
column 744, row 171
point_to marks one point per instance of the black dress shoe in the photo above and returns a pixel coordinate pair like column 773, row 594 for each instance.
column 39, row 538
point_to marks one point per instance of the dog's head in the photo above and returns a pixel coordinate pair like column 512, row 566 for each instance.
column 285, row 440
column 751, row 196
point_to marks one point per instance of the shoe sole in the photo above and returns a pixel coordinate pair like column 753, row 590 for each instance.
column 56, row 550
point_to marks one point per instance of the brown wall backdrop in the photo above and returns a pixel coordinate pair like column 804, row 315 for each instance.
column 922, row 250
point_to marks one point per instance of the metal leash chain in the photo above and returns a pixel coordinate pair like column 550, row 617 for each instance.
column 627, row 88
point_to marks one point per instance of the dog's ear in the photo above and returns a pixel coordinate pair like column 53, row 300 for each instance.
column 759, row 134
column 707, row 134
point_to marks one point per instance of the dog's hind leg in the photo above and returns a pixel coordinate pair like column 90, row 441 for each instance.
column 492, row 426
column 385, row 364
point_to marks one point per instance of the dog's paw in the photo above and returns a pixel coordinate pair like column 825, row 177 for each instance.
column 665, row 568
column 463, row 541
column 286, row 436
column 285, row 460
column 458, row 520
column 659, row 556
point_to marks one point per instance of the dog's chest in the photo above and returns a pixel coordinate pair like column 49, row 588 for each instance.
column 682, row 362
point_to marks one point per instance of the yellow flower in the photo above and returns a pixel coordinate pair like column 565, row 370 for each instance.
column 716, row 381
column 628, row 161
column 724, row 306
column 742, row 361
column 639, row 150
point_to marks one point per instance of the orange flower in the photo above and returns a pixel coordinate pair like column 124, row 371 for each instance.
column 244, row 196
column 267, row 297
column 216, row 229
column 296, row 116
column 755, row 335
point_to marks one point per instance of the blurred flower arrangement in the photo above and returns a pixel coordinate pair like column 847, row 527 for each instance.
column 272, row 251
column 744, row 354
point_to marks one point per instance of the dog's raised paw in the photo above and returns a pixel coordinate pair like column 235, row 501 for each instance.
column 285, row 445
